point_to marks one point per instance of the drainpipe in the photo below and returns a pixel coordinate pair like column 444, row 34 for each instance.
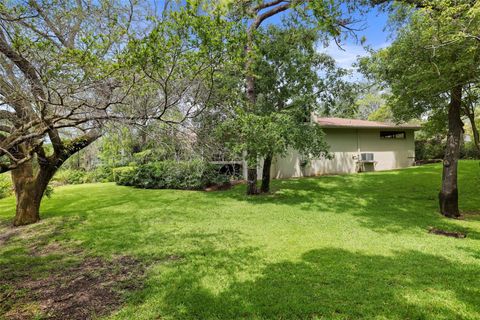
column 358, row 145
column 358, row 152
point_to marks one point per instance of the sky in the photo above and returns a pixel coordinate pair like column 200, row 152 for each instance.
column 372, row 28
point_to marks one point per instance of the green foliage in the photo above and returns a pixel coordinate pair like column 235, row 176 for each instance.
column 116, row 146
column 124, row 175
column 68, row 176
column 186, row 175
column 427, row 149
column 5, row 185
column 469, row 151
column 102, row 174
column 383, row 114
column 71, row 176
column 288, row 86
column 182, row 60
column 433, row 53
column 434, row 148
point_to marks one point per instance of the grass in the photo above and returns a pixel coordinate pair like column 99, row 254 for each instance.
column 336, row 247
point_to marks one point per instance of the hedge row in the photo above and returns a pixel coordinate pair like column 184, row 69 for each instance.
column 186, row 175
column 75, row 176
column 435, row 149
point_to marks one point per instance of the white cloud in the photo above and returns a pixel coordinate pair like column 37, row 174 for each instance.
column 346, row 56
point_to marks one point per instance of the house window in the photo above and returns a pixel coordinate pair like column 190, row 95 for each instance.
column 392, row 135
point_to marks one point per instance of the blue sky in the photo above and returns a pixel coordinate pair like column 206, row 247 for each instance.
column 372, row 27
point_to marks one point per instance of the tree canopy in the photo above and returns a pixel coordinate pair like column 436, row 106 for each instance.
column 432, row 68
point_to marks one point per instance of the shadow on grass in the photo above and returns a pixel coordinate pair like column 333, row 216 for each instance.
column 331, row 284
column 389, row 201
column 392, row 201
column 32, row 257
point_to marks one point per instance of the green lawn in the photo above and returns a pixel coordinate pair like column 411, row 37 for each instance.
column 334, row 247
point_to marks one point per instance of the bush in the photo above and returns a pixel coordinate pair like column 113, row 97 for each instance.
column 69, row 176
column 6, row 188
column 103, row 174
column 186, row 175
column 469, row 151
column 429, row 149
column 123, row 175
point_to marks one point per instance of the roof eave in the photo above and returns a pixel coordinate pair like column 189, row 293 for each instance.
column 370, row 127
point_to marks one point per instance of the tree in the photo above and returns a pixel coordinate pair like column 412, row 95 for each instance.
column 327, row 16
column 55, row 75
column 68, row 67
column 371, row 104
column 428, row 68
column 292, row 81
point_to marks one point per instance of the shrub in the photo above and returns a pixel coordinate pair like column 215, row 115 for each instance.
column 103, row 174
column 123, row 175
column 428, row 149
column 186, row 175
column 6, row 188
column 469, row 151
column 69, row 176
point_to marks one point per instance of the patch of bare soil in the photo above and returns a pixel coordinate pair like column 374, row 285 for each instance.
column 6, row 235
column 91, row 288
column 454, row 234
column 224, row 186
column 471, row 215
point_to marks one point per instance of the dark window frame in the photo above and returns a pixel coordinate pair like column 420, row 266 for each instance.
column 393, row 135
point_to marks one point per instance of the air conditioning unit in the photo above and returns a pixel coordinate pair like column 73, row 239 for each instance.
column 366, row 156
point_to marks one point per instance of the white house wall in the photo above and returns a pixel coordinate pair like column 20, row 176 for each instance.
column 345, row 148
column 388, row 153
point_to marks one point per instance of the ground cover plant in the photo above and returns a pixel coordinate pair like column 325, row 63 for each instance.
column 333, row 247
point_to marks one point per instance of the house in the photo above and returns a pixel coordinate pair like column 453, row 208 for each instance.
column 355, row 146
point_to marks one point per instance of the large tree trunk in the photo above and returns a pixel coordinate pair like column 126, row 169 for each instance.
column 29, row 191
column 30, row 184
column 28, row 203
column 448, row 196
column 252, row 181
column 251, row 97
column 267, row 164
